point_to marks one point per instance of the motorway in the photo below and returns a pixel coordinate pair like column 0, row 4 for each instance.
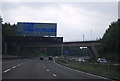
column 41, row 69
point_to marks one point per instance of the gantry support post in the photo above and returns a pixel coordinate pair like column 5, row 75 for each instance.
column 18, row 50
column 95, row 52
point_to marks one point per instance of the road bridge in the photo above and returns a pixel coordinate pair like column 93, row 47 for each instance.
column 44, row 42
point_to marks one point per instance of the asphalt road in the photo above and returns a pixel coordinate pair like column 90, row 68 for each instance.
column 41, row 69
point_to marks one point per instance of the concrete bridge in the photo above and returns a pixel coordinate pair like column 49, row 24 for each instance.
column 44, row 42
column 90, row 44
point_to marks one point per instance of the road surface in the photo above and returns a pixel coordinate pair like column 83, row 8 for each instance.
column 41, row 69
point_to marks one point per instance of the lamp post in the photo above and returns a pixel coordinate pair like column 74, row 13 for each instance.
column 91, row 34
column 83, row 37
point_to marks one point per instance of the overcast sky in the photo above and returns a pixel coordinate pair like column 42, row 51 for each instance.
column 73, row 18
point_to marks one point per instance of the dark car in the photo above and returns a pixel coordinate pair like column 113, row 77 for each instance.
column 41, row 58
column 50, row 58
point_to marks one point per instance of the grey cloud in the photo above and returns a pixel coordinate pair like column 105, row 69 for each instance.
column 73, row 19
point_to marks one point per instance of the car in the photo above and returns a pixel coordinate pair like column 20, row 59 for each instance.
column 101, row 60
column 50, row 58
column 72, row 59
column 81, row 60
column 41, row 58
column 56, row 57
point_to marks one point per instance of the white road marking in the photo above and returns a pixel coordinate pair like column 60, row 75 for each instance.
column 81, row 71
column 43, row 65
column 7, row 70
column 54, row 75
column 22, row 62
column 48, row 70
column 14, row 67
column 18, row 64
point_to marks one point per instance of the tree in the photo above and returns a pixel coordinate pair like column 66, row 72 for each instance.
column 8, row 30
column 111, row 41
column 111, row 37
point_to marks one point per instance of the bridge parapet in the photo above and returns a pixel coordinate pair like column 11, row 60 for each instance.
column 85, row 43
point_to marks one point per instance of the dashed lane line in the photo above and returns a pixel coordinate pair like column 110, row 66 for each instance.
column 44, row 67
column 48, row 70
column 14, row 67
column 54, row 75
column 18, row 64
column 7, row 70
column 22, row 63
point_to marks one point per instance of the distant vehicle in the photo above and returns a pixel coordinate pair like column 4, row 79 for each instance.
column 56, row 57
column 50, row 58
column 81, row 60
column 41, row 58
column 73, row 59
column 102, row 60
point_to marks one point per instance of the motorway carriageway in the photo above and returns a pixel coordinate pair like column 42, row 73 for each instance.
column 42, row 69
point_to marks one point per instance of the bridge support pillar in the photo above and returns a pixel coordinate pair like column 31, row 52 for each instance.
column 95, row 52
column 18, row 50
column 45, row 51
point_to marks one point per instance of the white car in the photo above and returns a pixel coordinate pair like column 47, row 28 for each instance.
column 56, row 57
column 82, row 60
column 102, row 60
column 72, row 59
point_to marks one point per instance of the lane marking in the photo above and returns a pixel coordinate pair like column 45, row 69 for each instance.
column 14, row 67
column 48, row 70
column 22, row 62
column 82, row 72
column 7, row 70
column 18, row 64
column 42, row 64
column 54, row 75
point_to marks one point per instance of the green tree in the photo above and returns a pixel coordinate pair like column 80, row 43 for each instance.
column 111, row 37
column 8, row 30
column 111, row 41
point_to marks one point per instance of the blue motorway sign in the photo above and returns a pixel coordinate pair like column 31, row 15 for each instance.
column 66, row 51
column 37, row 29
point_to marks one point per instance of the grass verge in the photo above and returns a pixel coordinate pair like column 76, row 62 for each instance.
column 109, row 71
